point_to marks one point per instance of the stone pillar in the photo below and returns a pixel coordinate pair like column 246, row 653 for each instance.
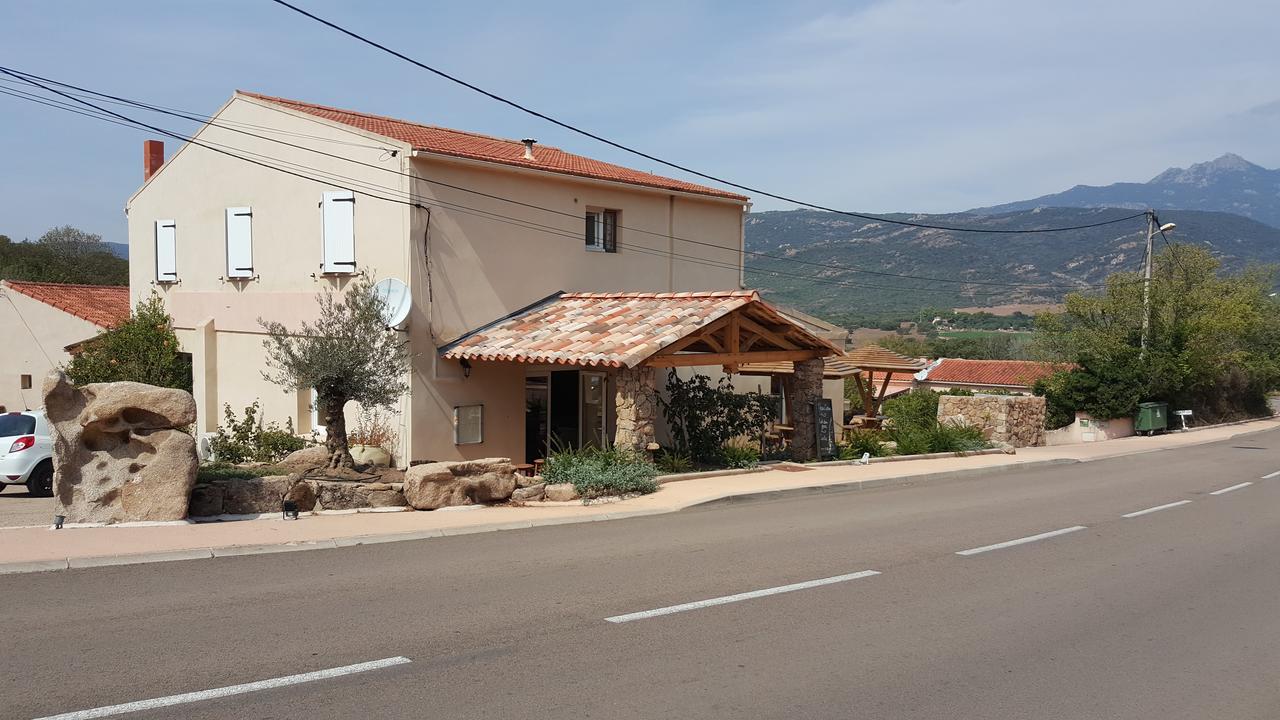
column 803, row 386
column 636, row 407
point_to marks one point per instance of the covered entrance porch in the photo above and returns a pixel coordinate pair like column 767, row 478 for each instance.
column 594, row 360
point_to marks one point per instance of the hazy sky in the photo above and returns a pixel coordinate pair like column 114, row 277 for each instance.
column 899, row 105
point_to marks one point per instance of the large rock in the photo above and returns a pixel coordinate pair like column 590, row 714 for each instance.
column 533, row 493
column 446, row 484
column 561, row 492
column 306, row 458
column 252, row 496
column 206, row 500
column 339, row 495
column 118, row 452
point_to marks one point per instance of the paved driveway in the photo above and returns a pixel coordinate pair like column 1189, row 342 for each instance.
column 19, row 509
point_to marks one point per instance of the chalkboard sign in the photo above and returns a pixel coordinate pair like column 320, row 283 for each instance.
column 825, row 427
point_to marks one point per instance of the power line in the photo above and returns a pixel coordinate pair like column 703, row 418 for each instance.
column 670, row 164
column 197, row 117
column 337, row 179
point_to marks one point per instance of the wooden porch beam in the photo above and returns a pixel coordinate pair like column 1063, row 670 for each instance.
column 767, row 334
column 695, row 336
column 698, row 359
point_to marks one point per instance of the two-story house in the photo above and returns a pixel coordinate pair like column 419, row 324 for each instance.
column 276, row 201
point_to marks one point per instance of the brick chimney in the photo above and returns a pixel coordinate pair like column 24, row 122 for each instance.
column 152, row 157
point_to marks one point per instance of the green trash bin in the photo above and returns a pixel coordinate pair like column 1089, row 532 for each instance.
column 1152, row 417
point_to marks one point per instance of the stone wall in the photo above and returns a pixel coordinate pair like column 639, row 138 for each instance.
column 804, row 386
column 1014, row 419
column 636, row 407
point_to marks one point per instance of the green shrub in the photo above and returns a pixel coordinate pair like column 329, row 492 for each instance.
column 957, row 438
column 738, row 456
column 911, row 439
column 860, row 442
column 915, row 440
column 142, row 349
column 916, row 409
column 671, row 463
column 208, row 472
column 247, row 439
column 595, row 472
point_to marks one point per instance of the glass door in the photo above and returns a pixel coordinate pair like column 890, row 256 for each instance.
column 593, row 409
column 537, row 418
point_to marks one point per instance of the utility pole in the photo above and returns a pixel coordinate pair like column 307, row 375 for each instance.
column 1152, row 224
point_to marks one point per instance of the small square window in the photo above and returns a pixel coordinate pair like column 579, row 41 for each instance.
column 468, row 424
column 26, row 382
column 602, row 230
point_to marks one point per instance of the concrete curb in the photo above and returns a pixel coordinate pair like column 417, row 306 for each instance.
column 855, row 485
column 726, row 498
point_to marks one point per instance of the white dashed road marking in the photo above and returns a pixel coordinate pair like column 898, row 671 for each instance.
column 1157, row 508
column 1021, row 541
column 171, row 700
column 646, row 614
column 1226, row 490
column 1271, row 475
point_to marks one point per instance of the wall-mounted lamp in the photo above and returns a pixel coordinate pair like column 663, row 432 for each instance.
column 466, row 367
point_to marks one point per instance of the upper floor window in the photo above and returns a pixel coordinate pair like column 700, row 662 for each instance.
column 166, row 251
column 239, row 243
column 602, row 230
column 338, row 217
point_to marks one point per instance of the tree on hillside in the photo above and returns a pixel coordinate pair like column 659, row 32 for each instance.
column 66, row 235
column 1213, row 346
column 144, row 349
column 65, row 255
column 347, row 354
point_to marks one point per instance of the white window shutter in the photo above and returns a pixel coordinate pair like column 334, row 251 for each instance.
column 166, row 251
column 338, row 217
column 239, row 242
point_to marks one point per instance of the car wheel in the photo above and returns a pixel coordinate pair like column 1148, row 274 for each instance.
column 40, row 484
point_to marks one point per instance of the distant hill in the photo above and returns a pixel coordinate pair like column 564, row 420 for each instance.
column 1228, row 184
column 1076, row 258
column 120, row 250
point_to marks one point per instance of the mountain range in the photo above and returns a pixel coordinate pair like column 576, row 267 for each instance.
column 865, row 269
column 1227, row 184
column 837, row 266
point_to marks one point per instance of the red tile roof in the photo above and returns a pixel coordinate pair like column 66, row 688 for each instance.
column 1013, row 373
column 474, row 146
column 611, row 329
column 103, row 305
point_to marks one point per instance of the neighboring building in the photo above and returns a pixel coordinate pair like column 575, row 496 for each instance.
column 490, row 235
column 1016, row 376
column 38, row 321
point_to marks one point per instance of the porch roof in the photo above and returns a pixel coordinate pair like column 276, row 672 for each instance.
column 874, row 357
column 631, row 329
column 834, row 367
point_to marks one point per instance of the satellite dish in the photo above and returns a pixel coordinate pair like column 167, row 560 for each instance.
column 396, row 301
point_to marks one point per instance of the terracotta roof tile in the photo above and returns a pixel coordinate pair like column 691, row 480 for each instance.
column 103, row 305
column 1018, row 373
column 474, row 146
column 606, row 329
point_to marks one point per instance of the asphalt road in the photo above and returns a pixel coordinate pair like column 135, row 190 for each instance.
column 1173, row 613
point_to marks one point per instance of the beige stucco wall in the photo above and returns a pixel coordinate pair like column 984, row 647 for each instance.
column 1087, row 428
column 464, row 266
column 34, row 335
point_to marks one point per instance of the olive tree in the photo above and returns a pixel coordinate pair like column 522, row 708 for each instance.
column 347, row 354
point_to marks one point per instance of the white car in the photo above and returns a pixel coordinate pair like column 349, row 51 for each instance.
column 26, row 452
